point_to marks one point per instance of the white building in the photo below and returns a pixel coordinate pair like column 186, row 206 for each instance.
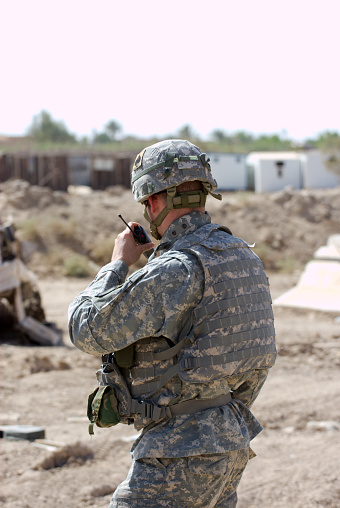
column 273, row 171
column 315, row 172
column 229, row 170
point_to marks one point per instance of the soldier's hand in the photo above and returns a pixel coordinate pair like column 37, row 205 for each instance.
column 126, row 249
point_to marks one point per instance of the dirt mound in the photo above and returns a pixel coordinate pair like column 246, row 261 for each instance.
column 75, row 454
column 20, row 194
column 43, row 363
column 73, row 233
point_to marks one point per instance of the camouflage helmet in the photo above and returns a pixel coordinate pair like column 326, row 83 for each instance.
column 163, row 167
column 168, row 164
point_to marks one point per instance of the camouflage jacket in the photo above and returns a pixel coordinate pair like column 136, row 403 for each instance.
column 150, row 308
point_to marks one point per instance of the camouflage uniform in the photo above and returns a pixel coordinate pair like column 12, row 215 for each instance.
column 194, row 459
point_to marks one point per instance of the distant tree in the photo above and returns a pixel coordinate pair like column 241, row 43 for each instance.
column 219, row 135
column 84, row 140
column 101, row 137
column 329, row 144
column 112, row 128
column 309, row 143
column 243, row 138
column 45, row 128
column 271, row 142
column 186, row 132
column 109, row 134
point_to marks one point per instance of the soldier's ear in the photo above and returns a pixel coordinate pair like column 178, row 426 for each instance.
column 155, row 204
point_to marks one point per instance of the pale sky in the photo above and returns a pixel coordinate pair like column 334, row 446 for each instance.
column 262, row 66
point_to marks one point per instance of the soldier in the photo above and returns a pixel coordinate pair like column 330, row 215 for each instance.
column 190, row 338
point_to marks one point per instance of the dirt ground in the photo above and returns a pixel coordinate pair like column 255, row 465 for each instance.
column 298, row 459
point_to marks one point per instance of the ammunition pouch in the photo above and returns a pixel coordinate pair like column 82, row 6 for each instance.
column 102, row 408
column 112, row 398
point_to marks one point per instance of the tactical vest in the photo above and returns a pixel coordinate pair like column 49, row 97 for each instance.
column 230, row 332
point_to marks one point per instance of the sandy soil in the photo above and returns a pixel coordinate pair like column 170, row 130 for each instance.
column 298, row 460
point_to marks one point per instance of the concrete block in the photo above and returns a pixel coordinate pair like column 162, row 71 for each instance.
column 29, row 432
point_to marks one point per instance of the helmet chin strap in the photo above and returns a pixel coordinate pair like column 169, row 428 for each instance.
column 174, row 201
column 153, row 225
column 171, row 192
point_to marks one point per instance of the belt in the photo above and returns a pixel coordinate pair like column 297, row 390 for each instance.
column 150, row 410
column 197, row 405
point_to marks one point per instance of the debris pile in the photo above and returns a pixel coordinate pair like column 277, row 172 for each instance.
column 20, row 303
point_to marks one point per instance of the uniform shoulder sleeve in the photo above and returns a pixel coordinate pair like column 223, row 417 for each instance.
column 154, row 301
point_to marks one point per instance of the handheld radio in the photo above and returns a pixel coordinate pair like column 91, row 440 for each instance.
column 140, row 236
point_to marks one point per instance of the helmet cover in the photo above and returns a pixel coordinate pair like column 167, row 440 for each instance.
column 167, row 164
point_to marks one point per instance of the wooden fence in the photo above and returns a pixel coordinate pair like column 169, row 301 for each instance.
column 56, row 171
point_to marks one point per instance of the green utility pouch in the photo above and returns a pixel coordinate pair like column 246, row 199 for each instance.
column 102, row 408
